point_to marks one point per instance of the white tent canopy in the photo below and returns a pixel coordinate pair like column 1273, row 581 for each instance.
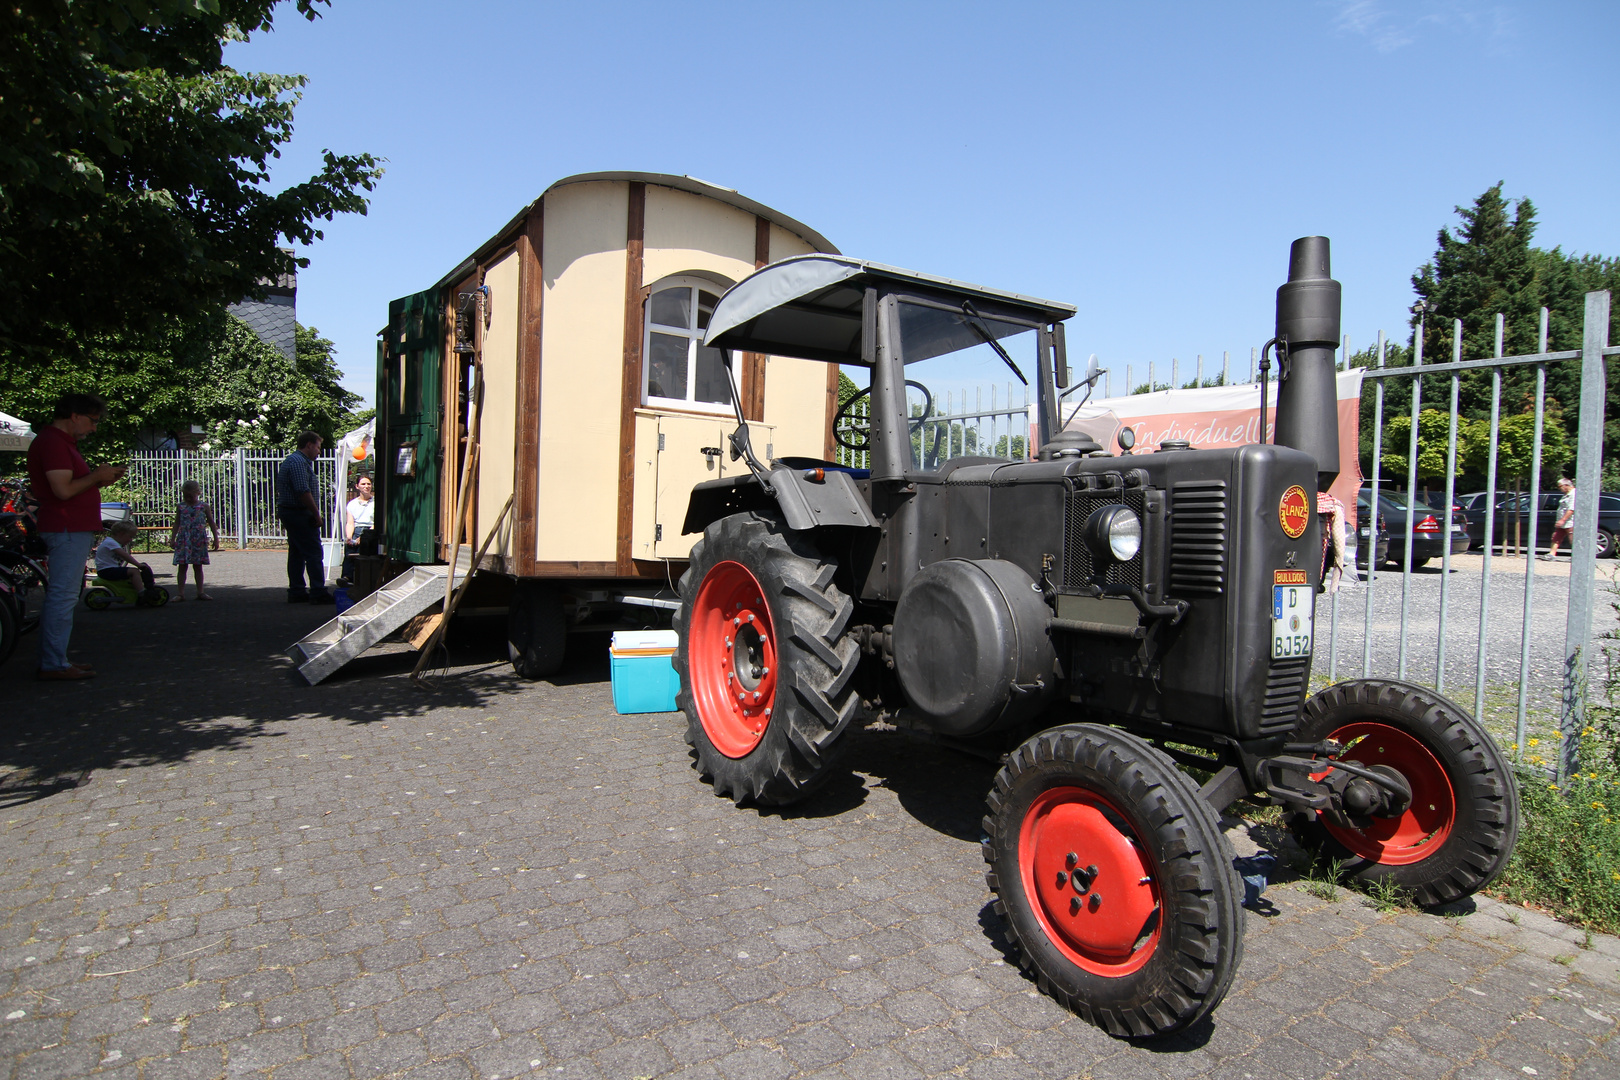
column 14, row 433
column 358, row 439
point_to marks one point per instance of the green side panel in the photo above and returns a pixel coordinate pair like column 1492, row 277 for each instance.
column 408, row 391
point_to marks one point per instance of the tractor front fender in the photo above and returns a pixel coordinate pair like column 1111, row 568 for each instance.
column 802, row 501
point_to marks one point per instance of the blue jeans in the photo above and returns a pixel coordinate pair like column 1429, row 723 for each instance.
column 68, row 551
column 304, row 554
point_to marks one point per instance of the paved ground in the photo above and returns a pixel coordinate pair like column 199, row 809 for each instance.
column 498, row 879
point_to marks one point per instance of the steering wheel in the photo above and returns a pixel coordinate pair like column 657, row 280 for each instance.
column 865, row 433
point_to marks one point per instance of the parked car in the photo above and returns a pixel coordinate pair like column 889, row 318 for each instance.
column 1436, row 501
column 1365, row 524
column 1515, row 509
column 1428, row 537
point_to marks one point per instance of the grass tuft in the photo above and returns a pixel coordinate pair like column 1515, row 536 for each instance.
column 1568, row 855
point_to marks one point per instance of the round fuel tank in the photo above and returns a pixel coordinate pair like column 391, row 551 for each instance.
column 971, row 645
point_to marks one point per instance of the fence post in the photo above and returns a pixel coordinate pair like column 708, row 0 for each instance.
column 1583, row 548
column 239, row 484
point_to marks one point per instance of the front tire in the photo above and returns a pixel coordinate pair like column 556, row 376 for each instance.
column 1458, row 833
column 1146, row 940
column 1605, row 544
column 765, row 663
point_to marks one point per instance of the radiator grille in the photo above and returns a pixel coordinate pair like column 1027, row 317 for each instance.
column 1285, row 692
column 1198, row 538
column 1077, row 563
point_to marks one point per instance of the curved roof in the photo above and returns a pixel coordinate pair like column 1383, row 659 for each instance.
column 680, row 183
column 810, row 306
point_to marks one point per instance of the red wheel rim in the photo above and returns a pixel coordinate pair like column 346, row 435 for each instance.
column 731, row 659
column 1107, row 921
column 1422, row 829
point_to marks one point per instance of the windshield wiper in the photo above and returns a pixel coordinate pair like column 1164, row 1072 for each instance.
column 977, row 322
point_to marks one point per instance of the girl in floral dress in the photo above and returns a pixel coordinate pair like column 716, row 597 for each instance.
column 193, row 521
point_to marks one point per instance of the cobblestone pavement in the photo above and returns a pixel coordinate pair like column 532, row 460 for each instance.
column 497, row 879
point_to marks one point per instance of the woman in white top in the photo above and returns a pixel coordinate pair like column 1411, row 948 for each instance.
column 357, row 516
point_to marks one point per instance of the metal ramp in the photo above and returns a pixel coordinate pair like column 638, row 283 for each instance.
column 372, row 619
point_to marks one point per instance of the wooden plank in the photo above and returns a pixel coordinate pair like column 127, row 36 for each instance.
column 526, row 469
column 630, row 385
column 449, row 425
column 832, row 411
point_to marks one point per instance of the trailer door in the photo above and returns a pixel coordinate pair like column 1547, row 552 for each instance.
column 409, row 461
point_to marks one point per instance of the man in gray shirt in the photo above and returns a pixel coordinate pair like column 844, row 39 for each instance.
column 299, row 508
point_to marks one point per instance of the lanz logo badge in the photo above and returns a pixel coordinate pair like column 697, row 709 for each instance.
column 1288, row 577
column 1294, row 512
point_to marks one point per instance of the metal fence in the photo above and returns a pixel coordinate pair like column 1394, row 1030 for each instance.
column 954, row 426
column 1575, row 669
column 238, row 485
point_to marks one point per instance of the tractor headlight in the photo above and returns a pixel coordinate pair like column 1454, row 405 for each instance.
column 1114, row 532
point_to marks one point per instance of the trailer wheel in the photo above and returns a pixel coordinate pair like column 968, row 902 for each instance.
column 764, row 661
column 1114, row 880
column 536, row 630
column 1458, row 832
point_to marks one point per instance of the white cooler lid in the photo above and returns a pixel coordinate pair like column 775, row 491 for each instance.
column 624, row 640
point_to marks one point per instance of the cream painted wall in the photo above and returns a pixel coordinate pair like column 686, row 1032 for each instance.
column 497, row 434
column 582, row 349
column 688, row 232
column 644, row 505
column 795, row 390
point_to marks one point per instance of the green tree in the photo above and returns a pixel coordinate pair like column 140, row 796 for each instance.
column 1434, row 436
column 134, row 165
column 1490, row 266
column 1515, row 448
column 213, row 371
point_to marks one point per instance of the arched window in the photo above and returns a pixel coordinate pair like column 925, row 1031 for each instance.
column 676, row 368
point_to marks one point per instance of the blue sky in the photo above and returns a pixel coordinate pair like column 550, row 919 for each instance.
column 1147, row 162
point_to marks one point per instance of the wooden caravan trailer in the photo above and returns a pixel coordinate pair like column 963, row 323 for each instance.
column 599, row 408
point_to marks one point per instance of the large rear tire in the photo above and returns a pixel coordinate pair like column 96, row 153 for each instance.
column 536, row 630
column 764, row 660
column 1145, row 940
column 1458, row 833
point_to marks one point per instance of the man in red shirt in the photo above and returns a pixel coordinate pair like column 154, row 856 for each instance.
column 69, row 494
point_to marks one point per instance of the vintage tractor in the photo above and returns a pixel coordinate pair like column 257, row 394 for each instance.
column 1107, row 617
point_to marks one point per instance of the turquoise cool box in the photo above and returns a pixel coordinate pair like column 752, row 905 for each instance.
column 644, row 679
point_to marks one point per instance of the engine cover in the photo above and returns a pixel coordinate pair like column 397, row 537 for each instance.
column 971, row 645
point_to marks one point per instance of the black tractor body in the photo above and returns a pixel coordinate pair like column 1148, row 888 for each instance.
column 978, row 571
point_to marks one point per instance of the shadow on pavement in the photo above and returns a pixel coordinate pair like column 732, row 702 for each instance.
column 189, row 678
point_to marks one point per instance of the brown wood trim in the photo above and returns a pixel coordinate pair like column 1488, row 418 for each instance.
column 670, row 410
column 639, row 569
column 526, row 469
column 630, row 384
column 753, row 364
column 832, row 411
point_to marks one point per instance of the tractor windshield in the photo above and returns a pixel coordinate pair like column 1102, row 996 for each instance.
column 970, row 382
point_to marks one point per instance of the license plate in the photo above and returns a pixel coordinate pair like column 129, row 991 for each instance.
column 1291, row 620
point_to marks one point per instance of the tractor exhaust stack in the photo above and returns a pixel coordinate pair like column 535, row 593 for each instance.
column 1307, row 335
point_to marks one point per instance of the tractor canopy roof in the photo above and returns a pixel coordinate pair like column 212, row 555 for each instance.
column 810, row 306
